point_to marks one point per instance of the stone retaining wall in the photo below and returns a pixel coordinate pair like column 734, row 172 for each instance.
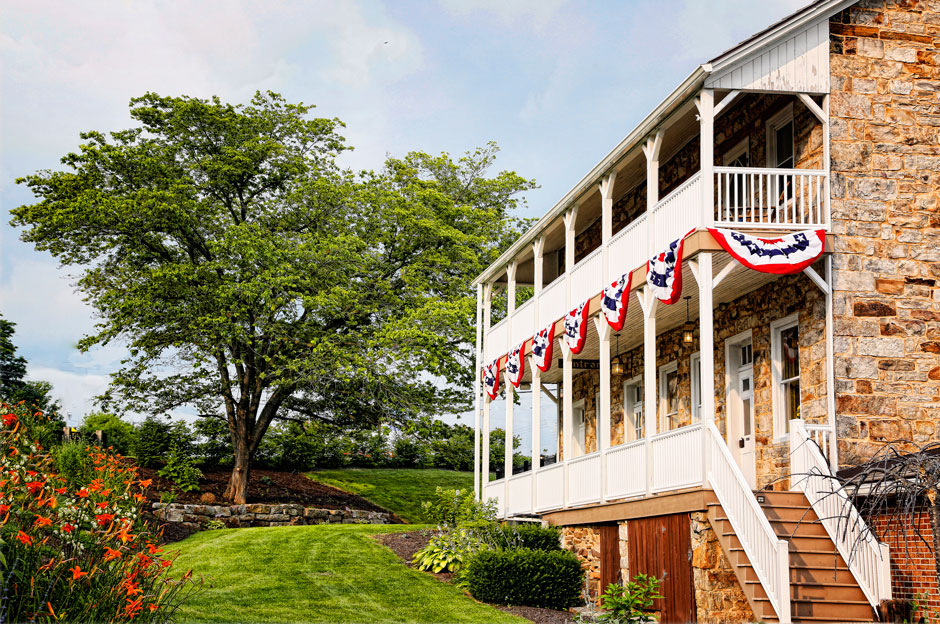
column 196, row 517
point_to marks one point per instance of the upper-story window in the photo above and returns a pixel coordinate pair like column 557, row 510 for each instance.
column 785, row 346
column 780, row 140
column 738, row 156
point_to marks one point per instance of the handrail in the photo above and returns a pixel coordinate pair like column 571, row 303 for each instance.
column 692, row 180
column 583, row 261
column 768, row 555
column 867, row 558
column 770, row 171
column 627, row 228
column 582, row 458
column 662, row 435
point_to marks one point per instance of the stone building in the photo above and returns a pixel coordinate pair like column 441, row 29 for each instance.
column 686, row 439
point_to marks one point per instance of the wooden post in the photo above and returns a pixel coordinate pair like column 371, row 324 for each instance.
column 536, row 424
column 651, row 150
column 648, row 302
column 607, row 221
column 567, row 420
column 706, row 112
column 603, row 409
column 477, row 387
column 485, row 432
column 507, row 455
column 702, row 269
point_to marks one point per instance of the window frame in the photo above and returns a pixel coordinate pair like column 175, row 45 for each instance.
column 664, row 371
column 695, row 385
column 741, row 148
column 778, row 120
column 781, row 427
column 629, row 431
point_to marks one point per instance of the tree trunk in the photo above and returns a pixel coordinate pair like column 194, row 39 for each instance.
column 237, row 489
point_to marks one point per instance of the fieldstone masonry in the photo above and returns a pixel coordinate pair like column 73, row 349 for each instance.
column 196, row 517
column 885, row 120
column 718, row 595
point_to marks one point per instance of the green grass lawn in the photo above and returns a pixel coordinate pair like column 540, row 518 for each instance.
column 397, row 489
column 325, row 573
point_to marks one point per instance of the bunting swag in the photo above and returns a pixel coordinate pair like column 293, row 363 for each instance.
column 515, row 365
column 542, row 347
column 614, row 302
column 576, row 327
column 491, row 379
column 785, row 255
column 664, row 272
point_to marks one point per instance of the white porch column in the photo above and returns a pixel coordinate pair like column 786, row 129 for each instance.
column 702, row 269
column 536, row 424
column 478, row 366
column 651, row 149
column 603, row 409
column 567, row 406
column 607, row 220
column 706, row 113
column 485, row 430
column 570, row 217
column 650, row 407
column 507, row 455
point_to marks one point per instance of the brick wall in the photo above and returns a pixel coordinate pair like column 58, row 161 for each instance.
column 913, row 567
column 885, row 176
column 755, row 312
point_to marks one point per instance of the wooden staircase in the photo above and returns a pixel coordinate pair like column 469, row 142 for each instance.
column 822, row 589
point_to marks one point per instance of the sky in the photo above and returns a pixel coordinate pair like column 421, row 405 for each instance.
column 557, row 84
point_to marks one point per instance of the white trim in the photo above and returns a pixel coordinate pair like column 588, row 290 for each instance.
column 779, row 426
column 741, row 147
column 780, row 119
column 628, row 404
column 664, row 370
column 695, row 385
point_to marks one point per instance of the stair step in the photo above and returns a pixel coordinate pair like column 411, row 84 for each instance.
column 833, row 611
column 828, row 592
column 812, row 543
column 785, row 528
column 806, row 576
column 789, row 513
column 780, row 498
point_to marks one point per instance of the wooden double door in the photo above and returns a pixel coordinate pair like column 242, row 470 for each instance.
column 659, row 546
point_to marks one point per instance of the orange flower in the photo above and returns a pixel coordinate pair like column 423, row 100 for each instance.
column 139, row 498
column 133, row 607
column 23, row 537
column 77, row 573
column 124, row 536
column 67, row 528
column 104, row 519
column 102, row 505
column 132, row 588
column 110, row 553
column 146, row 482
column 153, row 549
column 34, row 486
column 82, row 493
column 152, row 607
column 8, row 419
column 61, row 490
column 4, row 509
column 42, row 521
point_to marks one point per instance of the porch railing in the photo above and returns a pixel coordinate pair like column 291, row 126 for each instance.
column 770, row 198
column 584, row 481
column 867, row 558
column 677, row 458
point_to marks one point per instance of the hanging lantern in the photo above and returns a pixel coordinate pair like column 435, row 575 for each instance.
column 616, row 369
column 688, row 330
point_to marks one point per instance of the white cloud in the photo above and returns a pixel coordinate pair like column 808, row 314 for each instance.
column 75, row 391
column 535, row 12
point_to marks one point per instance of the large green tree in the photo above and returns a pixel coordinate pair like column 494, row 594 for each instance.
column 253, row 278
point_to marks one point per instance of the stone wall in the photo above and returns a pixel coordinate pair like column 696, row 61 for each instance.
column 585, row 542
column 196, row 517
column 718, row 595
column 885, row 178
column 746, row 119
column 754, row 311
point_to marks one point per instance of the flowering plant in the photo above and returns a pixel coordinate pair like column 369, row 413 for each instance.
column 80, row 552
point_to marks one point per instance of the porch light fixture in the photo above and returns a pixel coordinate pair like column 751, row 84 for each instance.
column 617, row 368
column 688, row 330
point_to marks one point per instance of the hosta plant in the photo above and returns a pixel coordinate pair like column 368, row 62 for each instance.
column 76, row 551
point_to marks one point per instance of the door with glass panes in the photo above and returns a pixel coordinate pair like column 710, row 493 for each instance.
column 740, row 361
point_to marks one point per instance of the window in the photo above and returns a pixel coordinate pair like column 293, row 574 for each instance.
column 634, row 425
column 785, row 339
column 780, row 140
column 695, row 368
column 738, row 156
column 669, row 396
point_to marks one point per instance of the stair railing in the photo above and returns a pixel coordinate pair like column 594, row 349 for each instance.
column 767, row 554
column 868, row 559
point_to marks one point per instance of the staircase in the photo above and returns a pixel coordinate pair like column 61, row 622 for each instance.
column 822, row 589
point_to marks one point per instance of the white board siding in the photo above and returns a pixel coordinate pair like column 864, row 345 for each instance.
column 798, row 63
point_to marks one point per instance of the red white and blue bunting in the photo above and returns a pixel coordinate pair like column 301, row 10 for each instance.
column 784, row 255
column 576, row 327
column 515, row 365
column 491, row 378
column 542, row 347
column 664, row 272
column 614, row 301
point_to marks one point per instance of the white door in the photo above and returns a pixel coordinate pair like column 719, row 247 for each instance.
column 741, row 410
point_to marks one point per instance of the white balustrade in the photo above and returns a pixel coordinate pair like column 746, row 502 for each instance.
column 868, row 559
column 587, row 277
column 676, row 213
column 523, row 322
column 520, row 494
column 822, row 436
column 584, row 479
column 677, row 458
column 550, row 487
column 553, row 304
column 768, row 555
column 626, row 470
column 628, row 248
column 496, row 341
column 496, row 490
column 771, row 198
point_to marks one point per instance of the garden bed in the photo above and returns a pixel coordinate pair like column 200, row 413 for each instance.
column 264, row 486
column 405, row 545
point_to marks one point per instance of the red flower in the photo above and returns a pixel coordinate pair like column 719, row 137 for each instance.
column 23, row 537
column 152, row 607
column 8, row 419
column 4, row 509
column 146, row 482
column 102, row 505
column 67, row 528
column 82, row 493
column 133, row 607
column 61, row 490
column 153, row 549
column 32, row 473
column 104, row 519
column 42, row 521
column 34, row 486
column 77, row 573
column 110, row 553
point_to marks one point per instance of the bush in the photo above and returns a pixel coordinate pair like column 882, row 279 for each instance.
column 532, row 578
column 454, row 507
column 152, row 442
column 73, row 463
column 631, row 603
column 410, row 452
column 213, row 444
column 82, row 552
column 531, row 536
column 181, row 470
column 118, row 434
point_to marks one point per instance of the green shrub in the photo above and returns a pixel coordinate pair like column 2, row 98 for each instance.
column 118, row 434
column 531, row 536
column 532, row 578
column 181, row 470
column 631, row 603
column 213, row 445
column 410, row 452
column 454, row 507
column 152, row 442
column 73, row 463
column 448, row 551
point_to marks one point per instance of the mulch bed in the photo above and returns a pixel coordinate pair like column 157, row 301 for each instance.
column 405, row 545
column 264, row 486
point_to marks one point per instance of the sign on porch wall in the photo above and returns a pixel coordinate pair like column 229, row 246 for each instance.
column 664, row 272
column 582, row 364
column 783, row 255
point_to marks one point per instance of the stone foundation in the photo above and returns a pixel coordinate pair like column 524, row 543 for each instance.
column 196, row 517
column 585, row 542
column 718, row 595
